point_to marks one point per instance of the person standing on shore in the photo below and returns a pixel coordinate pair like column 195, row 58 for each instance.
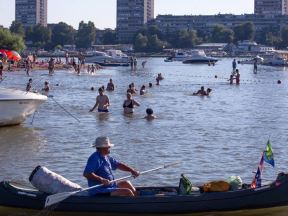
column 51, row 65
column 99, row 168
column 27, row 66
column 102, row 102
column 1, row 70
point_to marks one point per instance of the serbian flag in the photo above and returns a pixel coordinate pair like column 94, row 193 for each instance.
column 256, row 183
column 268, row 154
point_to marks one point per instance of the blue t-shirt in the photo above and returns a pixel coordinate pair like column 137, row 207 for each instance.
column 101, row 166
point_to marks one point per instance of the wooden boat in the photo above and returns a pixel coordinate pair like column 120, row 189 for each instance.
column 270, row 199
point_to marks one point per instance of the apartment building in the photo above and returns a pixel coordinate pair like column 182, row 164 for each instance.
column 204, row 25
column 271, row 7
column 31, row 12
column 131, row 16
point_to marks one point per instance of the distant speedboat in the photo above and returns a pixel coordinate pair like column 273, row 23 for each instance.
column 199, row 56
column 16, row 105
column 276, row 60
column 178, row 56
column 257, row 58
column 110, row 56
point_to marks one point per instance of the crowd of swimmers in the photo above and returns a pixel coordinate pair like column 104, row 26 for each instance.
column 103, row 103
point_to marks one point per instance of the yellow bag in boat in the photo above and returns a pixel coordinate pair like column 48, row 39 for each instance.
column 216, row 186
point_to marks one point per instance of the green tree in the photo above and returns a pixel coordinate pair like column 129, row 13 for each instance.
column 154, row 30
column 273, row 40
column 284, row 36
column 11, row 41
column 221, row 34
column 17, row 28
column 141, row 43
column 86, row 35
column 155, row 44
column 62, row 34
column 186, row 39
column 245, row 31
column 39, row 35
column 109, row 37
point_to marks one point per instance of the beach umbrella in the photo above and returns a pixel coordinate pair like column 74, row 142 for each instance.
column 13, row 55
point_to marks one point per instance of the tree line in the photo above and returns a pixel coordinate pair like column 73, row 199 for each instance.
column 147, row 39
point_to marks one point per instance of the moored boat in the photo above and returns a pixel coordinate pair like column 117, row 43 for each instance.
column 17, row 105
column 198, row 57
column 112, row 64
column 270, row 199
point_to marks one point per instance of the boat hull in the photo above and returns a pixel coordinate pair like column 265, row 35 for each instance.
column 112, row 64
column 266, row 200
column 17, row 105
column 274, row 211
column 13, row 112
column 199, row 61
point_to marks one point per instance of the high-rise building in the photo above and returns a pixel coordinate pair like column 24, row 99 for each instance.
column 31, row 12
column 131, row 16
column 271, row 7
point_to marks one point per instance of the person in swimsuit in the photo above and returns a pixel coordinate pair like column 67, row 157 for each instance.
column 237, row 77
column 102, row 102
column 200, row 92
column 46, row 87
column 110, row 86
column 131, row 90
column 149, row 115
column 129, row 104
column 29, row 85
column 143, row 90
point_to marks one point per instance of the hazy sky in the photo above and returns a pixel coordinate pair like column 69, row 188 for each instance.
column 103, row 12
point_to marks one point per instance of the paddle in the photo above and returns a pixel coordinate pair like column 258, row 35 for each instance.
column 56, row 198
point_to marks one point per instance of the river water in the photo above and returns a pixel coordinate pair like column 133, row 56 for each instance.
column 213, row 137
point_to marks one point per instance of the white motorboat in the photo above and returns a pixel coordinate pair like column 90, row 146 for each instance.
column 178, row 56
column 199, row 56
column 110, row 56
column 17, row 105
column 258, row 59
column 276, row 60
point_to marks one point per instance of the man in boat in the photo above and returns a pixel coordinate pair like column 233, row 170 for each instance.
column 99, row 168
column 102, row 102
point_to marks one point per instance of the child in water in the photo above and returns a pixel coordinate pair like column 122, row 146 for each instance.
column 150, row 115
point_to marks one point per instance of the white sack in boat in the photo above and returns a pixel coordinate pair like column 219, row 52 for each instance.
column 50, row 182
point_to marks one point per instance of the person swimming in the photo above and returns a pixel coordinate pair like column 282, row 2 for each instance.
column 200, row 92
column 150, row 115
column 129, row 104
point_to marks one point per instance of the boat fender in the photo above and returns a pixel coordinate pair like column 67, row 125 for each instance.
column 50, row 182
